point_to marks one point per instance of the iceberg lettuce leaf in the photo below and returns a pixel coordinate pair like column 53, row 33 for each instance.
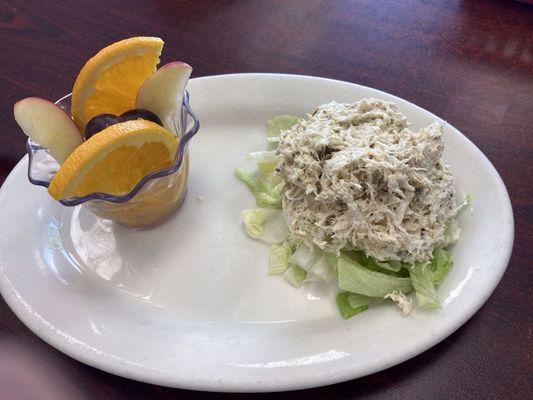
column 265, row 224
column 355, row 278
column 265, row 194
column 278, row 258
column 426, row 294
column 278, row 124
column 295, row 275
column 345, row 305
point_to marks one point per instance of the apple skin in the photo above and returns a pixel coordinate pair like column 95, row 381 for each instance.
column 162, row 92
column 48, row 125
column 179, row 64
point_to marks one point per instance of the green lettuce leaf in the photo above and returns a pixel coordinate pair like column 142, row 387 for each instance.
column 265, row 194
column 278, row 258
column 393, row 268
column 358, row 256
column 313, row 261
column 265, row 224
column 304, row 257
column 426, row 295
column 392, row 265
column 267, row 162
column 321, row 270
column 295, row 275
column 270, row 198
column 278, row 124
column 441, row 263
column 426, row 276
column 349, row 305
column 451, row 232
column 355, row 278
column 358, row 300
column 332, row 261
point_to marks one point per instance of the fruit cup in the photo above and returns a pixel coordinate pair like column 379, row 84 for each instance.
column 156, row 196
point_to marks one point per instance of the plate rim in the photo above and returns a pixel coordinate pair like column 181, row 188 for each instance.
column 122, row 369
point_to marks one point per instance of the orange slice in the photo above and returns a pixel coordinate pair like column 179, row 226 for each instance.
column 109, row 81
column 114, row 160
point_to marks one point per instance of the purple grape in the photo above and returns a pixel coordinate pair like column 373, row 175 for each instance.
column 140, row 113
column 99, row 123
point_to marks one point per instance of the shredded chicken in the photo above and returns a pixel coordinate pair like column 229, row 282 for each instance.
column 355, row 176
column 404, row 303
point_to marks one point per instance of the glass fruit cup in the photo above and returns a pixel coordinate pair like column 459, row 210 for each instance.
column 154, row 197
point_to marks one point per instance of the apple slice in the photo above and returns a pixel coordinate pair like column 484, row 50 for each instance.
column 162, row 92
column 48, row 125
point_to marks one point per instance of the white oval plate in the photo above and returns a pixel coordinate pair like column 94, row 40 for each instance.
column 188, row 303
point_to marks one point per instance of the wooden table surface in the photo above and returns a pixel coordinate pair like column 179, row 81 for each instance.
column 469, row 62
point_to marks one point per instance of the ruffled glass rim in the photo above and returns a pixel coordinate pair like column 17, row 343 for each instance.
column 180, row 125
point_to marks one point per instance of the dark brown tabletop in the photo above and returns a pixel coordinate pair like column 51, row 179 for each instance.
column 469, row 62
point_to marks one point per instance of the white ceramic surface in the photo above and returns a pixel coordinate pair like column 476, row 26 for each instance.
column 188, row 303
